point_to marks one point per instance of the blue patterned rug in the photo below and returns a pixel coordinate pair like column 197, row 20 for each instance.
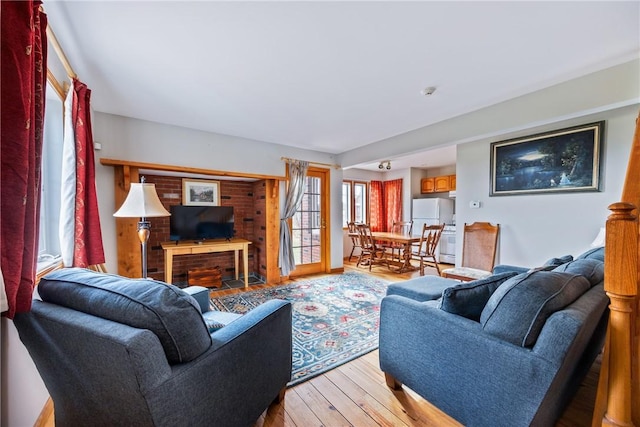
column 335, row 319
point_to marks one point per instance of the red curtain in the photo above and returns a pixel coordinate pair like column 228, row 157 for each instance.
column 23, row 85
column 392, row 202
column 87, row 248
column 376, row 207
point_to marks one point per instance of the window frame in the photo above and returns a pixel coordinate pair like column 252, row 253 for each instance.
column 351, row 202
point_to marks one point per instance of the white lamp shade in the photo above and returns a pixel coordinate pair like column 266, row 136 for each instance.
column 142, row 202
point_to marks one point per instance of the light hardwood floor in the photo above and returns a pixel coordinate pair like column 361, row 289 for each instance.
column 355, row 394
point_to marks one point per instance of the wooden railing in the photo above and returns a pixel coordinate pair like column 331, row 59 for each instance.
column 618, row 397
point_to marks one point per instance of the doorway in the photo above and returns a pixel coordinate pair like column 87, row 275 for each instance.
column 309, row 225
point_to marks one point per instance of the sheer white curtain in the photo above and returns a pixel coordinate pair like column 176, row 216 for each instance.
column 4, row 303
column 68, row 187
column 295, row 191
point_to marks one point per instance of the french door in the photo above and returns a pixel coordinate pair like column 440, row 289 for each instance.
column 309, row 225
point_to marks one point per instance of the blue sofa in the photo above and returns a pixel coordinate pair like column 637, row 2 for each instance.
column 117, row 351
column 509, row 350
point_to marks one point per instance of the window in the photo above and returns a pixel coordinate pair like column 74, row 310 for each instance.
column 355, row 197
column 48, row 239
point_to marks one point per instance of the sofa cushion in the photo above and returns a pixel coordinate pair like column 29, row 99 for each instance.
column 219, row 319
column 164, row 309
column 595, row 253
column 468, row 299
column 591, row 268
column 424, row 288
column 518, row 309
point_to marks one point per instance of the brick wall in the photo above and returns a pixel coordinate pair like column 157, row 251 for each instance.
column 239, row 194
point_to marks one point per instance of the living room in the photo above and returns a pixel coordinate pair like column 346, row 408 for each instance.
column 531, row 225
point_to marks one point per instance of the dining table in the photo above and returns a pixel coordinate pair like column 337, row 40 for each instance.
column 406, row 240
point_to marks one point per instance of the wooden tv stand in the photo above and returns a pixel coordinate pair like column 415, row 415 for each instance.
column 206, row 247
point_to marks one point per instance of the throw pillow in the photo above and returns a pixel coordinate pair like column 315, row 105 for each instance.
column 595, row 253
column 518, row 309
column 591, row 268
column 468, row 299
column 163, row 309
column 552, row 263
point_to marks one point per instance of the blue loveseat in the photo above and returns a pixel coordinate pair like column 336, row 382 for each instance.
column 508, row 350
column 117, row 351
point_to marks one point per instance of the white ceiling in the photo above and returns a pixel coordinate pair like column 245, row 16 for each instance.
column 331, row 76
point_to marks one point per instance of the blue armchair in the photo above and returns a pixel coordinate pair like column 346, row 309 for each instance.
column 117, row 351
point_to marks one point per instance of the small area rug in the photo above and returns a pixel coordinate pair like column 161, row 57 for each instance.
column 335, row 318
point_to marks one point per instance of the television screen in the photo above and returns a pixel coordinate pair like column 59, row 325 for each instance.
column 201, row 222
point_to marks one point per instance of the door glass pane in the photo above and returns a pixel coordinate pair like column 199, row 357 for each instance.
column 306, row 224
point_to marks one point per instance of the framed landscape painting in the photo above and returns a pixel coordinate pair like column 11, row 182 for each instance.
column 551, row 162
column 200, row 192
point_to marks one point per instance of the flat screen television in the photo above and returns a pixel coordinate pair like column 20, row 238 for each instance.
column 201, row 222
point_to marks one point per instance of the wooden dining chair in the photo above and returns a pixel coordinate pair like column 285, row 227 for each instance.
column 479, row 245
column 395, row 250
column 352, row 228
column 426, row 249
column 369, row 249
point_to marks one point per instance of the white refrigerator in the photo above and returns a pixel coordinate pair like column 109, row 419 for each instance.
column 430, row 212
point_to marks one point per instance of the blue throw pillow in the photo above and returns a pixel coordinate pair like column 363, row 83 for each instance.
column 558, row 261
column 595, row 253
column 468, row 299
column 172, row 315
column 519, row 308
column 591, row 268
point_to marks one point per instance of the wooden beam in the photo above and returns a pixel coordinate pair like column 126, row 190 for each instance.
column 128, row 244
column 186, row 169
column 272, row 235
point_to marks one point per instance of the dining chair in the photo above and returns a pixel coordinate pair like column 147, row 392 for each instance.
column 426, row 249
column 369, row 249
column 479, row 245
column 395, row 250
column 352, row 228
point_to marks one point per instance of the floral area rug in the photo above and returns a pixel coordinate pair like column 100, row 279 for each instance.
column 335, row 318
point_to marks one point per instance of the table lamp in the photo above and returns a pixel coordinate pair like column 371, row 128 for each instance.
column 142, row 202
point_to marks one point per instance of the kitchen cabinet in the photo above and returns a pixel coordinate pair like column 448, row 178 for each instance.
column 441, row 184
column 438, row 184
column 427, row 185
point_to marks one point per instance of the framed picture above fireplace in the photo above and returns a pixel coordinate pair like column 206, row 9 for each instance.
column 563, row 160
column 200, row 192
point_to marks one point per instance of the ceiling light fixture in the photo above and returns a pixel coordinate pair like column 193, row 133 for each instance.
column 382, row 166
column 428, row 90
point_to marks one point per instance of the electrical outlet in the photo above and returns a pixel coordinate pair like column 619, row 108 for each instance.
column 474, row 204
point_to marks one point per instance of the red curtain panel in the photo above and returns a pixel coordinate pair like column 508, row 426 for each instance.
column 23, row 83
column 87, row 248
column 392, row 202
column 376, row 207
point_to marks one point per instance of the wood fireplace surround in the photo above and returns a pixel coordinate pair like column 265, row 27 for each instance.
column 256, row 212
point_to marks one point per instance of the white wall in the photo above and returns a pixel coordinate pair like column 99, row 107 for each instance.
column 23, row 393
column 534, row 228
column 135, row 140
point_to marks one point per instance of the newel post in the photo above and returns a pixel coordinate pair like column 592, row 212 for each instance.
column 621, row 281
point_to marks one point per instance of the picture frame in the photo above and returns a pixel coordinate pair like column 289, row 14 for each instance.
column 564, row 160
column 200, row 192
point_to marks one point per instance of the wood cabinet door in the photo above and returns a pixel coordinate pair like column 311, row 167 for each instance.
column 442, row 183
column 452, row 182
column 427, row 185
